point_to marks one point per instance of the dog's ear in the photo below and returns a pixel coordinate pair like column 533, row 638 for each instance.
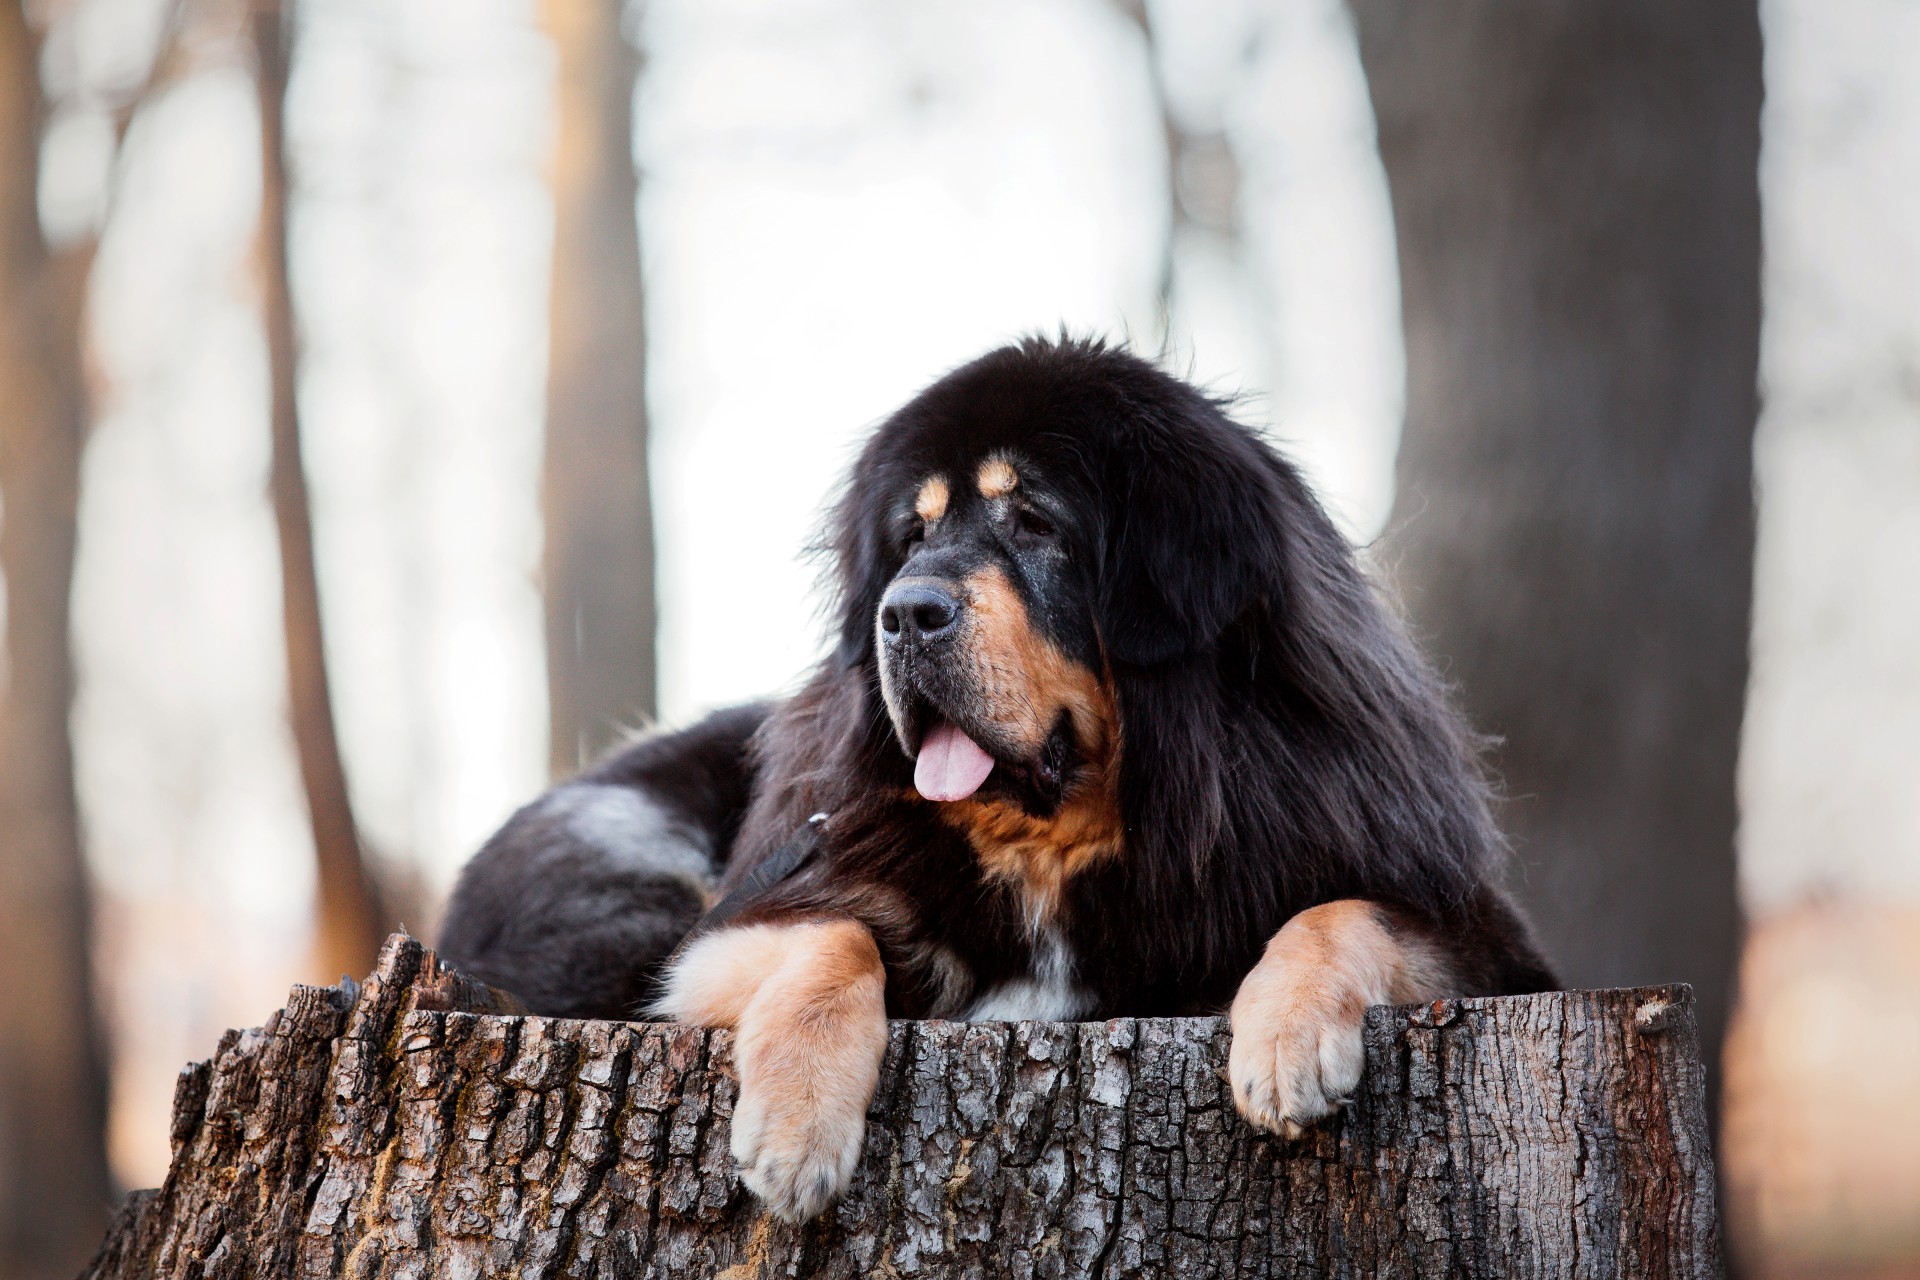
column 1193, row 539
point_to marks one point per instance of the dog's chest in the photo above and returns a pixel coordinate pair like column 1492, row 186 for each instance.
column 1049, row 991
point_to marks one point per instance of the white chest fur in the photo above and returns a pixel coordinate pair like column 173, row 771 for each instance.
column 1049, row 993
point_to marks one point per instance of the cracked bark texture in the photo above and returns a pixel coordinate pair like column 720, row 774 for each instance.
column 422, row 1127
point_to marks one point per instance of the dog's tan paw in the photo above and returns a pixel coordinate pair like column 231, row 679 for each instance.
column 797, row 1152
column 1297, row 1051
column 1297, row 1020
column 809, row 1046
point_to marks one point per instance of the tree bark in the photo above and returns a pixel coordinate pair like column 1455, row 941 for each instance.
column 1575, row 194
column 54, row 1183
column 347, row 908
column 598, row 559
column 393, row 1133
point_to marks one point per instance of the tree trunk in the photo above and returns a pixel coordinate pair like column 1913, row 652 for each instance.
column 1203, row 178
column 392, row 1134
column 598, row 560
column 348, row 916
column 54, row 1185
column 1575, row 193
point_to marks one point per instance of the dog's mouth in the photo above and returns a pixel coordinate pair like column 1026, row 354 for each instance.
column 951, row 763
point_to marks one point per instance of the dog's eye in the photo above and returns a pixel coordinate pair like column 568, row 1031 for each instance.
column 916, row 534
column 1031, row 523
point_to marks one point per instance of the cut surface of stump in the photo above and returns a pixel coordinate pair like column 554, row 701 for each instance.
column 421, row 1126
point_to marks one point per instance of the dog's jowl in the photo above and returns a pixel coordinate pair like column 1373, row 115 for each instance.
column 1113, row 724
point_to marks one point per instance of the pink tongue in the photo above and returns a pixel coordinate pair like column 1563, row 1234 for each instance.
column 951, row 765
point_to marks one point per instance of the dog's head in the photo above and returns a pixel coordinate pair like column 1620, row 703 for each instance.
column 990, row 664
column 1024, row 535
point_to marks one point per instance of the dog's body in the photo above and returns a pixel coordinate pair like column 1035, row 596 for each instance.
column 1114, row 726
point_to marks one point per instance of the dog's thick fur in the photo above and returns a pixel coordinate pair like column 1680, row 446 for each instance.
column 1222, row 777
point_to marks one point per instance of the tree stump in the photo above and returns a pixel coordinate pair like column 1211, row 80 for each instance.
column 419, row 1126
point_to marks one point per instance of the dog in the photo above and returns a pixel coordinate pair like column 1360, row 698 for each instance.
column 1112, row 723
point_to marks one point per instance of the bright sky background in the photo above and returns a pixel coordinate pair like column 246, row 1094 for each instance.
column 842, row 200
column 1830, row 757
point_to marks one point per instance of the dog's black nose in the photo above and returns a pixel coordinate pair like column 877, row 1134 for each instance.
column 917, row 611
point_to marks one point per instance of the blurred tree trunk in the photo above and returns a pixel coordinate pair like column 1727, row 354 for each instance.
column 348, row 926
column 1203, row 176
column 54, row 1185
column 598, row 562
column 1574, row 188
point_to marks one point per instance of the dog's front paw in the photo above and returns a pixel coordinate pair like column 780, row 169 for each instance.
column 809, row 1046
column 1297, row 1051
column 797, row 1147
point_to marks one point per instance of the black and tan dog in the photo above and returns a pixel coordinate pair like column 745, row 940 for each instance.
column 1113, row 725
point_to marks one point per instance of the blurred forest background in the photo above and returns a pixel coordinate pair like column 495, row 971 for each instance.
column 393, row 394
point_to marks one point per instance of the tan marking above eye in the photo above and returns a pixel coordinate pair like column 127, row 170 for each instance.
column 931, row 502
column 997, row 478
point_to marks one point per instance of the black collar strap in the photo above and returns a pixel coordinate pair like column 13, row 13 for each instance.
column 782, row 863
